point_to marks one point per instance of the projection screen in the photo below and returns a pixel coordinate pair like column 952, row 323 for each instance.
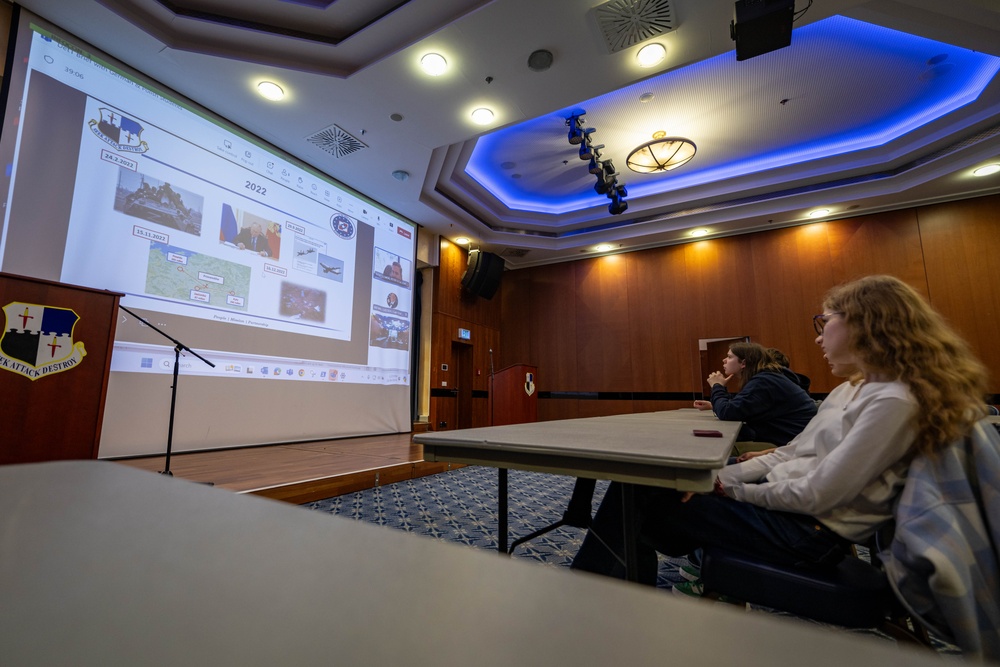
column 297, row 289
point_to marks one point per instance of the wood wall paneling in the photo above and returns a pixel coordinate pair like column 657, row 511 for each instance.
column 793, row 271
column 961, row 249
column 552, row 409
column 602, row 324
column 552, row 326
column 516, row 317
column 884, row 243
column 659, row 316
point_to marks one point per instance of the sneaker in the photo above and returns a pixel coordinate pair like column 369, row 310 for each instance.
column 692, row 589
column 690, row 572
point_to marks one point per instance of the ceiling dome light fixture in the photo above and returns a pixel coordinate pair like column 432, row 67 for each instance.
column 987, row 170
column 462, row 240
column 663, row 153
column 482, row 116
column 651, row 54
column 604, row 247
column 819, row 213
column 434, row 64
column 270, row 91
column 699, row 232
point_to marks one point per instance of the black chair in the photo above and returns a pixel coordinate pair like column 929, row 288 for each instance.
column 578, row 512
column 854, row 594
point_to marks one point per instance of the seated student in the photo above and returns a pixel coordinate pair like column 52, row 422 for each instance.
column 782, row 360
column 772, row 407
column 916, row 387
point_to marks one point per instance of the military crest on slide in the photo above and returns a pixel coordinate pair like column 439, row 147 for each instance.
column 38, row 340
column 118, row 131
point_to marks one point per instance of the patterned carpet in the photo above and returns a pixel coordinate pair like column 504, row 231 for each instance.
column 461, row 506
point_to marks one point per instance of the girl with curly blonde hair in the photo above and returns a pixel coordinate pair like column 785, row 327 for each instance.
column 895, row 333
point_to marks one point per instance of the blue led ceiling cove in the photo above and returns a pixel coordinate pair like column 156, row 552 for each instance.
column 911, row 81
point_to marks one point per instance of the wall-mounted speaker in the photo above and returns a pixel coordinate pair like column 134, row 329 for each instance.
column 761, row 26
column 482, row 275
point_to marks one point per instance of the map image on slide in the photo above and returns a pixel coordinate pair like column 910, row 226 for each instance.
column 157, row 201
column 188, row 276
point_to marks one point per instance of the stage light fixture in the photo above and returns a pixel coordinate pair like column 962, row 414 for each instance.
column 617, row 205
column 607, row 177
column 575, row 123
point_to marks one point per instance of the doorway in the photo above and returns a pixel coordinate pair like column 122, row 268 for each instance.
column 461, row 357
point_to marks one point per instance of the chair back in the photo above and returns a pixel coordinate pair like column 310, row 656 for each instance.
column 943, row 563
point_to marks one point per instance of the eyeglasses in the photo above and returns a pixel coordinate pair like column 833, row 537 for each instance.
column 819, row 321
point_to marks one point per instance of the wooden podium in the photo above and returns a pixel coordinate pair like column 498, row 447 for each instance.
column 513, row 395
column 55, row 357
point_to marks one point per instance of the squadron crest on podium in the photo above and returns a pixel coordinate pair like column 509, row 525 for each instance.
column 38, row 340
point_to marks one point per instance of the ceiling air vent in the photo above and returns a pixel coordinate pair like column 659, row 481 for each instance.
column 625, row 23
column 514, row 252
column 336, row 141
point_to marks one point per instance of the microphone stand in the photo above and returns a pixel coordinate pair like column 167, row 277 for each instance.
column 501, row 476
column 492, row 379
column 178, row 346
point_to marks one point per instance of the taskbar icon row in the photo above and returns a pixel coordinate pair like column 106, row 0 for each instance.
column 138, row 358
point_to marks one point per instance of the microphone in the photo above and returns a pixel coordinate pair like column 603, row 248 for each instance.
column 491, row 361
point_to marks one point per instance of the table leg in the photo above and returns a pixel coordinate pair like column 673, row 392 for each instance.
column 629, row 532
column 502, row 510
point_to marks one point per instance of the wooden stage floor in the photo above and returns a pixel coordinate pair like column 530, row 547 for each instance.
column 301, row 472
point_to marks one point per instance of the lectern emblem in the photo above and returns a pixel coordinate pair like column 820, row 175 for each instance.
column 529, row 383
column 38, row 340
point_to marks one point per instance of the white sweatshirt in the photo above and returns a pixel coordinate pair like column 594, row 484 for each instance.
column 845, row 468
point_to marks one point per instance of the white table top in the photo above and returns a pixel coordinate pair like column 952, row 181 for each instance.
column 656, row 448
column 102, row 564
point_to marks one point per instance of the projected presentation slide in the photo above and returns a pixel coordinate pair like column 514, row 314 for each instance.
column 188, row 224
column 193, row 219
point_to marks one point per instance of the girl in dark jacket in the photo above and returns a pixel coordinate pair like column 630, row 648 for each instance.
column 772, row 407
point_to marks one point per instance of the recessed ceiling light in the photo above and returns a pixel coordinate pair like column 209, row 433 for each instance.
column 699, row 232
column 482, row 116
column 604, row 247
column 270, row 90
column 819, row 213
column 434, row 64
column 461, row 240
column 651, row 54
column 987, row 170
